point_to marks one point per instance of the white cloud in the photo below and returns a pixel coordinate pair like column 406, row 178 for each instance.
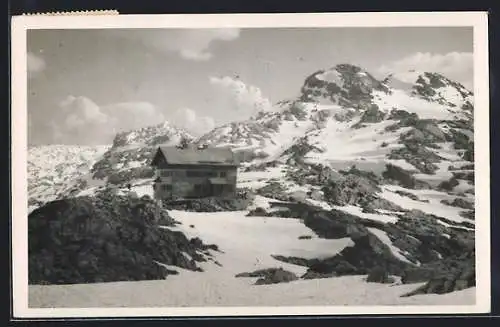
column 191, row 44
column 35, row 64
column 235, row 94
column 84, row 122
column 190, row 121
column 456, row 66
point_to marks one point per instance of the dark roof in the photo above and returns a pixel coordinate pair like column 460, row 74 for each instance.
column 194, row 156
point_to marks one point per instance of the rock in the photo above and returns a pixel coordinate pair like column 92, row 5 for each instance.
column 334, row 224
column 379, row 274
column 334, row 266
column 367, row 252
column 211, row 204
column 460, row 203
column 293, row 260
column 351, row 189
column 377, row 203
column 316, row 195
column 399, row 176
column 257, row 212
column 407, row 194
column 310, row 274
column 270, row 276
column 299, row 150
column 465, row 175
column 371, row 115
column 273, row 190
column 417, row 155
column 449, row 278
column 425, row 131
column 104, row 239
column 470, row 214
column 449, row 185
column 405, row 119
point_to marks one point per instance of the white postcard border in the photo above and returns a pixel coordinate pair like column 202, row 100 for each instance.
column 21, row 24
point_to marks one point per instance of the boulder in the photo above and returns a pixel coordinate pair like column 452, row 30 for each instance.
column 379, row 274
column 270, row 276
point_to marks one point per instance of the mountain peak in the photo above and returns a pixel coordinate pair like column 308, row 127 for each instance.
column 161, row 133
column 344, row 84
column 438, row 88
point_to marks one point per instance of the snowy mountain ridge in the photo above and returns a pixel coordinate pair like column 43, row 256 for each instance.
column 51, row 168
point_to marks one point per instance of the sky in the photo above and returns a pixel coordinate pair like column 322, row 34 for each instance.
column 84, row 86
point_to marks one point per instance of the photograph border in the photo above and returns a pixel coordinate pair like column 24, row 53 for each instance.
column 21, row 24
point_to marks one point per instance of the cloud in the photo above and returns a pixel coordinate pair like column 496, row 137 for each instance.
column 456, row 66
column 190, row 44
column 82, row 121
column 237, row 95
column 35, row 64
column 190, row 121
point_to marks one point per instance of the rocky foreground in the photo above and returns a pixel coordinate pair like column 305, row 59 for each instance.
column 106, row 238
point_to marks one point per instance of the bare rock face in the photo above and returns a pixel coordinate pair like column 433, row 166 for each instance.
column 399, row 176
column 453, row 274
column 367, row 253
column 104, row 239
column 345, row 84
column 432, row 250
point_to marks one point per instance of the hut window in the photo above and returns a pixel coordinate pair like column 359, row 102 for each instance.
column 223, row 174
column 166, row 173
column 201, row 173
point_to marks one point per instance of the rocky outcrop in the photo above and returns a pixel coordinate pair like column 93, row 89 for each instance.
column 210, row 204
column 425, row 132
column 449, row 275
column 417, row 155
column 270, row 276
column 273, row 190
column 460, row 203
column 404, row 118
column 104, row 239
column 409, row 195
column 371, row 115
column 396, row 175
column 367, row 252
column 357, row 187
column 379, row 275
column 448, row 185
column 429, row 248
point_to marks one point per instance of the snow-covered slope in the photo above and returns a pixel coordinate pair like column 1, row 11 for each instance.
column 51, row 168
column 331, row 101
column 246, row 244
